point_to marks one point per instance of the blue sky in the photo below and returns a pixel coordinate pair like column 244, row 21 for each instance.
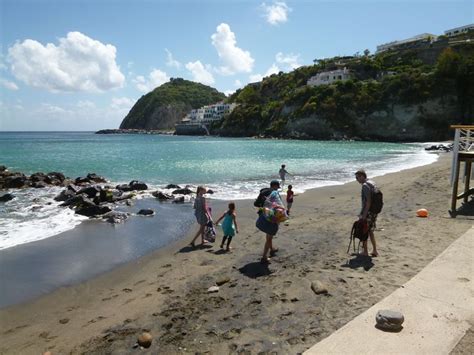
column 81, row 65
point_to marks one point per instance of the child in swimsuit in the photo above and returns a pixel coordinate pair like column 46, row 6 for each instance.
column 229, row 225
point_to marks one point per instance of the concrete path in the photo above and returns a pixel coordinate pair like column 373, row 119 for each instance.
column 438, row 305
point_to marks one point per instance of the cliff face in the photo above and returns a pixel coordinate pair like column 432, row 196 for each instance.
column 165, row 106
column 396, row 123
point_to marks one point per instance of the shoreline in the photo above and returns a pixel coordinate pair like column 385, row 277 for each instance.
column 258, row 309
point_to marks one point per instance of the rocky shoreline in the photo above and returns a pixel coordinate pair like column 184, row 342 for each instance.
column 91, row 196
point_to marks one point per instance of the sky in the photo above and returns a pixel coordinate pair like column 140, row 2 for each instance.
column 80, row 65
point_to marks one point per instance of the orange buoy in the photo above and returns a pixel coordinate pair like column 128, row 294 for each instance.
column 422, row 212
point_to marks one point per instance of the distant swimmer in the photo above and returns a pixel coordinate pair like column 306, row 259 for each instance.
column 283, row 173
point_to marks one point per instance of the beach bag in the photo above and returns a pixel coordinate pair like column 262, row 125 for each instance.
column 266, row 226
column 210, row 232
column 262, row 196
column 377, row 199
column 360, row 230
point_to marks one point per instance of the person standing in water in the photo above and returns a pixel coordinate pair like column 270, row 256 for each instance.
column 282, row 172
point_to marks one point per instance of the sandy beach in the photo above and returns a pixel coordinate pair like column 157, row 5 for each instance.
column 258, row 308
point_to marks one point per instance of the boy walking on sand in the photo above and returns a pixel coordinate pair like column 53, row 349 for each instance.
column 229, row 225
column 365, row 214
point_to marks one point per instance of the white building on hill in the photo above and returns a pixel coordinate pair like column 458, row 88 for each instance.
column 208, row 113
column 329, row 77
column 424, row 37
column 458, row 30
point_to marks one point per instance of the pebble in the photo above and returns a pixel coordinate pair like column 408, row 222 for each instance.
column 389, row 320
column 222, row 280
column 213, row 289
column 318, row 287
column 145, row 339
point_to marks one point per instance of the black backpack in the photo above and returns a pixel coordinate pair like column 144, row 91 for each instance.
column 262, row 196
column 360, row 230
column 376, row 204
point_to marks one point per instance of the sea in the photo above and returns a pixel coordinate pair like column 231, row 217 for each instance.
column 234, row 168
column 44, row 246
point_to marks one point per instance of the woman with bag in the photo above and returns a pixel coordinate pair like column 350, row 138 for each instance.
column 270, row 216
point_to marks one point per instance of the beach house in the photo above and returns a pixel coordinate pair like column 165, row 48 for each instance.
column 197, row 121
column 329, row 77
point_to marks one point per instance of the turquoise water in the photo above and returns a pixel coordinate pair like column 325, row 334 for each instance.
column 234, row 168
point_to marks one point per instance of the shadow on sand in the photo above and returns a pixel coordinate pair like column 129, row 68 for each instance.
column 466, row 209
column 190, row 248
column 358, row 261
column 254, row 270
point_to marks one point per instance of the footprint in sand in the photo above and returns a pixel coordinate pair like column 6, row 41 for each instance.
column 127, row 290
column 15, row 329
column 109, row 298
column 138, row 282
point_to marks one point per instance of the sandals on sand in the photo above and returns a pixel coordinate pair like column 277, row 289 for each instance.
column 265, row 261
column 273, row 251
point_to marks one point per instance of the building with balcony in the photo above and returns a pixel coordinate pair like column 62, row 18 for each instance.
column 329, row 77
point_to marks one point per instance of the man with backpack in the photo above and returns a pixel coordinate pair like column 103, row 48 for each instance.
column 270, row 199
column 372, row 203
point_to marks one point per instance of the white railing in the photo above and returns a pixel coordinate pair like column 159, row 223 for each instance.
column 463, row 142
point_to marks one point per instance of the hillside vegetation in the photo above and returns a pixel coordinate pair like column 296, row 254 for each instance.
column 168, row 104
column 405, row 95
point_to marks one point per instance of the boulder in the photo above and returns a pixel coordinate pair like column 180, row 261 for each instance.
column 6, row 197
column 55, row 178
column 82, row 180
column 210, row 192
column 37, row 177
column 123, row 187
column 389, row 320
column 3, row 168
column 96, row 178
column 162, row 196
column 137, row 185
column 38, row 184
column 91, row 211
column 15, row 181
column 178, row 199
column 184, row 191
column 172, row 186
column 65, row 195
column 90, row 191
column 146, row 212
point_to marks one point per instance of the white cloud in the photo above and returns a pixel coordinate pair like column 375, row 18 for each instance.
column 228, row 92
column 85, row 104
column 200, row 73
column 235, row 59
column 81, row 115
column 276, row 13
column 10, row 85
column 78, row 63
column 289, row 60
column 155, row 79
column 237, row 83
column 120, row 103
column 170, row 61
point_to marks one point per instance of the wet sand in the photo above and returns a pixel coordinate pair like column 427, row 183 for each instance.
column 258, row 308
